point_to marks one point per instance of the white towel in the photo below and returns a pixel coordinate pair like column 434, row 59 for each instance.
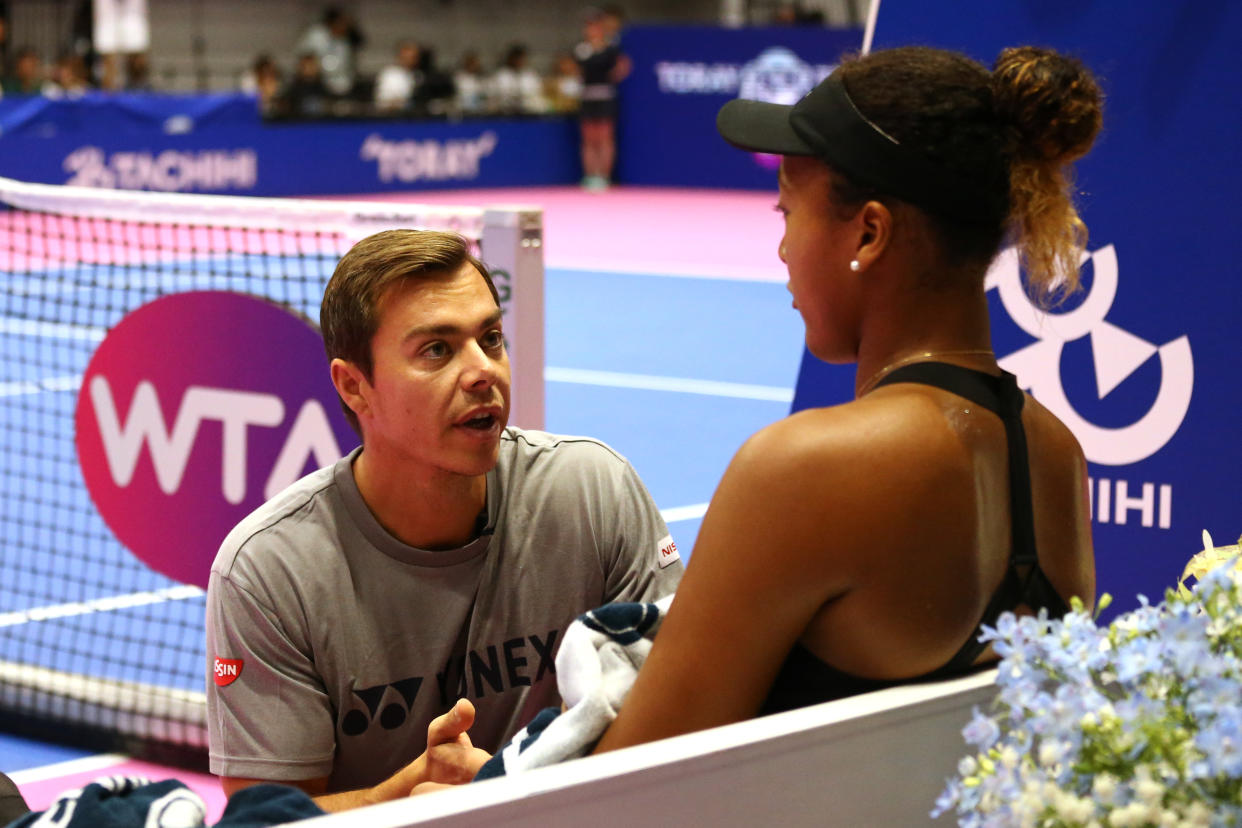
column 595, row 667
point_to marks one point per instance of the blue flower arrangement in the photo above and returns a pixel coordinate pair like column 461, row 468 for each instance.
column 1135, row 724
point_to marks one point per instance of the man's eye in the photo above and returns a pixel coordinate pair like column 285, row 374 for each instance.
column 435, row 350
column 493, row 339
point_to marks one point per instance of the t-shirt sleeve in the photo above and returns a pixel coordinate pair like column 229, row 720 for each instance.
column 645, row 562
column 268, row 715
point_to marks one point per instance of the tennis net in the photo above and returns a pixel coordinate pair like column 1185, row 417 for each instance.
column 95, row 646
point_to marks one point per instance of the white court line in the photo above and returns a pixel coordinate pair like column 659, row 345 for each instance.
column 649, row 382
column 696, row 510
column 613, row 379
column 69, row 768
column 69, row 382
column 674, row 270
column 113, row 602
column 52, row 330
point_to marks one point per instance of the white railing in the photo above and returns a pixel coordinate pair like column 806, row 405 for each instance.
column 879, row 759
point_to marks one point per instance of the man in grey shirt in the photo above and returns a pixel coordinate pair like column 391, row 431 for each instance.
column 440, row 561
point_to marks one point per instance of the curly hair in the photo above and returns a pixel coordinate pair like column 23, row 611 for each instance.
column 1014, row 131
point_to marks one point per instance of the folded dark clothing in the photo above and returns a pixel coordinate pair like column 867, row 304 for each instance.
column 134, row 802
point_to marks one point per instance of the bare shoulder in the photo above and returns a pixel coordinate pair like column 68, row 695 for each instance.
column 1042, row 425
column 846, row 470
column 893, row 429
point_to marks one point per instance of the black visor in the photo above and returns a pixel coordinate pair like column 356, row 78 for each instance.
column 825, row 124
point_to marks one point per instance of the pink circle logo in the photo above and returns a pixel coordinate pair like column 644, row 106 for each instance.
column 195, row 409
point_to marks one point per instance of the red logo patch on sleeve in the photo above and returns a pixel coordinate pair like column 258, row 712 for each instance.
column 227, row 670
column 666, row 551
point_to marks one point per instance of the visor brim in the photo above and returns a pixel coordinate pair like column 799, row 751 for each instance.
column 758, row 126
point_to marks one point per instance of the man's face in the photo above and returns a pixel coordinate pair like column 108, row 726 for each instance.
column 438, row 397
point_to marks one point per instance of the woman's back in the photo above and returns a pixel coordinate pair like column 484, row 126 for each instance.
column 940, row 538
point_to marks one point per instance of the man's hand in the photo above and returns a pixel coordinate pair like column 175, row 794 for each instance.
column 452, row 759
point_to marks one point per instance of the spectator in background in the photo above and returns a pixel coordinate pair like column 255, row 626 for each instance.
column 334, row 42
column 563, row 87
column 306, row 95
column 137, row 72
column 470, row 85
column 515, row 86
column 793, row 14
column 613, row 18
column 434, row 95
column 82, row 39
column 395, row 84
column 263, row 81
column 120, row 29
column 603, row 66
column 68, row 78
column 27, row 77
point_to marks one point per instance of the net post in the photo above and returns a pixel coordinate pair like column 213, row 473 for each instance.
column 512, row 246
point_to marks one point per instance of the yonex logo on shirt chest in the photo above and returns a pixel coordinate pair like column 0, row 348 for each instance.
column 490, row 670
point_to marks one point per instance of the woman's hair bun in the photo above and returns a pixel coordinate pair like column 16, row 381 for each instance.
column 1052, row 102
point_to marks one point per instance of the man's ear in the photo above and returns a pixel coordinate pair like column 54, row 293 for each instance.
column 875, row 233
column 351, row 384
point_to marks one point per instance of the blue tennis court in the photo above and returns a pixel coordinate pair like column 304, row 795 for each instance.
column 674, row 371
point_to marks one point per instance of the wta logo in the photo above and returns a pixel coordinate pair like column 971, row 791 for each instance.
column 195, row 409
column 1117, row 354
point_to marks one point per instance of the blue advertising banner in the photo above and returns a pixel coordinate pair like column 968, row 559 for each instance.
column 1137, row 365
column 682, row 75
column 219, row 144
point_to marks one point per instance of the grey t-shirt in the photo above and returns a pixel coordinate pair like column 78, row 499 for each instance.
column 331, row 645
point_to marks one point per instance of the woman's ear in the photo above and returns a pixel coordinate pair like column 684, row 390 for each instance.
column 875, row 233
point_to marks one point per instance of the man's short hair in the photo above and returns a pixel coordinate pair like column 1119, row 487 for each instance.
column 349, row 315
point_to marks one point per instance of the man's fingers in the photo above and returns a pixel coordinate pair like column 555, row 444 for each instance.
column 452, row 724
column 464, row 711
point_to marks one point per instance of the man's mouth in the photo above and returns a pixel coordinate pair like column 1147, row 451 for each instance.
column 480, row 422
column 481, row 419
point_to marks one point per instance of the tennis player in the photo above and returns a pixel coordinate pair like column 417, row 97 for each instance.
column 439, row 561
column 858, row 546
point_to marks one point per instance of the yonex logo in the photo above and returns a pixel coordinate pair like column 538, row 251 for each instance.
column 391, row 715
column 1117, row 354
column 195, row 409
column 476, row 674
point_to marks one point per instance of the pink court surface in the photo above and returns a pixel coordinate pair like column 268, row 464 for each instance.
column 710, row 234
column 720, row 234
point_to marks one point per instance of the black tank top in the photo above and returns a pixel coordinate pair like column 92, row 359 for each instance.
column 804, row 679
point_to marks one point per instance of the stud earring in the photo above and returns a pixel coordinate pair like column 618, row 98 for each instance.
column 855, row 266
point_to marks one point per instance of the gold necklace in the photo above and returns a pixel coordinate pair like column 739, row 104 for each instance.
column 893, row 366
